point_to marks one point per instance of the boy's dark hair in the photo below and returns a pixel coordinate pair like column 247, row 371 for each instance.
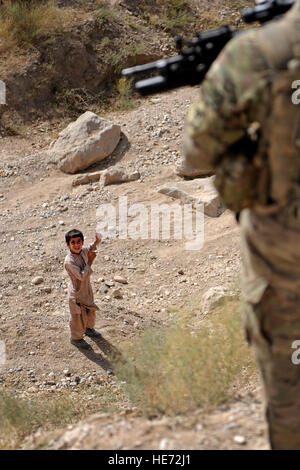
column 72, row 234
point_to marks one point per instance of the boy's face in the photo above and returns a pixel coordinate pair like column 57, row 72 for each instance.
column 75, row 245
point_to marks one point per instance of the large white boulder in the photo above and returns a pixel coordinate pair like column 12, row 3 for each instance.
column 85, row 141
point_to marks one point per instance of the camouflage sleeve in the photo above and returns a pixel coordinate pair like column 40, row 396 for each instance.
column 236, row 87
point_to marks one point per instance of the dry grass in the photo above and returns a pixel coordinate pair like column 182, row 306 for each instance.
column 104, row 15
column 124, row 100
column 20, row 418
column 195, row 368
column 23, row 24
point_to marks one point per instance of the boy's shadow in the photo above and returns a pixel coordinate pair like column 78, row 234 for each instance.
column 113, row 354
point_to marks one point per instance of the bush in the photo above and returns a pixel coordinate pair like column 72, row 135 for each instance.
column 124, row 100
column 195, row 368
column 104, row 15
column 24, row 23
column 119, row 59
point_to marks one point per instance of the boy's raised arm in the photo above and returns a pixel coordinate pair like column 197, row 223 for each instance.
column 93, row 245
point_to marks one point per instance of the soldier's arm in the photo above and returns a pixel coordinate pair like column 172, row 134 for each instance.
column 229, row 101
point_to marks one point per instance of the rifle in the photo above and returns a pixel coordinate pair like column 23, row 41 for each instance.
column 197, row 55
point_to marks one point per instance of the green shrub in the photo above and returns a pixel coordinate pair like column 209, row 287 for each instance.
column 119, row 59
column 104, row 15
column 106, row 42
column 124, row 100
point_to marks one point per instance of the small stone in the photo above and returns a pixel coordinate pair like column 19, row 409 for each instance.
column 47, row 290
column 117, row 294
column 61, row 222
column 164, row 443
column 104, row 289
column 37, row 280
column 66, row 372
column 199, row 427
column 239, row 440
column 50, row 382
column 120, row 279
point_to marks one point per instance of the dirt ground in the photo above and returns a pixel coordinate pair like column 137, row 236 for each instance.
column 38, row 205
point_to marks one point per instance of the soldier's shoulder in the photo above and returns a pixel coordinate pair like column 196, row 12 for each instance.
column 245, row 49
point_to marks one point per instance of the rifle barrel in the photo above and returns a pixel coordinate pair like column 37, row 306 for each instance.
column 191, row 66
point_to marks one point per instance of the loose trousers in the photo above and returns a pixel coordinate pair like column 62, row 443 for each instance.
column 81, row 318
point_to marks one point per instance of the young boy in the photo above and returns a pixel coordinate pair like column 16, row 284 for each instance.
column 81, row 299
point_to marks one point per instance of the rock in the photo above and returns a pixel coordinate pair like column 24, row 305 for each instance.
column 50, row 382
column 120, row 279
column 197, row 192
column 213, row 297
column 87, row 178
column 118, row 175
column 85, row 141
column 164, row 444
column 239, row 440
column 47, row 290
column 104, row 289
column 213, row 206
column 37, row 280
column 117, row 294
column 185, row 169
column 177, row 193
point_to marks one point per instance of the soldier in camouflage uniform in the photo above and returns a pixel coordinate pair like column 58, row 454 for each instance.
column 237, row 100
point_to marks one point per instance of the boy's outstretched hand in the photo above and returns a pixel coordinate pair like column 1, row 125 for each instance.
column 98, row 238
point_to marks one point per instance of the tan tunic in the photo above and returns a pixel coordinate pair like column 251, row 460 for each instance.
column 80, row 293
column 80, row 289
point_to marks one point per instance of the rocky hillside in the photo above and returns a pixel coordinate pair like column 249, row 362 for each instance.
column 63, row 61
